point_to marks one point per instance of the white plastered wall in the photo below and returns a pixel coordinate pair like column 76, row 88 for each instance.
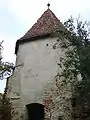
column 39, row 61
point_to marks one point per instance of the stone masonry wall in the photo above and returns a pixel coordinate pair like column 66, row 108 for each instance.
column 57, row 100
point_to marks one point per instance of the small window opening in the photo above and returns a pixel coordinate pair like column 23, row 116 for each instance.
column 46, row 44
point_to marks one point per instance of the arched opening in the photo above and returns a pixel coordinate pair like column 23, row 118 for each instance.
column 35, row 111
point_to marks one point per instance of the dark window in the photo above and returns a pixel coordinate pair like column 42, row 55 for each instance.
column 35, row 111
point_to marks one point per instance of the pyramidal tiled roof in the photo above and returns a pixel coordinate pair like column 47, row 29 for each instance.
column 47, row 24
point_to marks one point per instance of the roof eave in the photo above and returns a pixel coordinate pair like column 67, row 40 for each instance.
column 22, row 41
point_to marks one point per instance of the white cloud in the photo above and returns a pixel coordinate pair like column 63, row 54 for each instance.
column 8, row 48
column 29, row 10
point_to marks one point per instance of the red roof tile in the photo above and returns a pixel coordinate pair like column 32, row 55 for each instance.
column 48, row 23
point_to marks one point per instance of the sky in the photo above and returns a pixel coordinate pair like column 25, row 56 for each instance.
column 17, row 17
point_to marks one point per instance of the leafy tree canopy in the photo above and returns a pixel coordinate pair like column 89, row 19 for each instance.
column 77, row 65
column 6, row 68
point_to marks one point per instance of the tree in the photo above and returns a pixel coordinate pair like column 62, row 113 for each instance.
column 77, row 65
column 6, row 68
column 0, row 105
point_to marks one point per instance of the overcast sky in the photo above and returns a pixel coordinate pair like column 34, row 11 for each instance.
column 17, row 16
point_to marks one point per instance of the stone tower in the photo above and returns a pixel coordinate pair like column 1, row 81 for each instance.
column 35, row 90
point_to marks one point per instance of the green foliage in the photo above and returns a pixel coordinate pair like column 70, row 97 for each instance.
column 6, row 68
column 0, row 106
column 6, row 108
column 77, row 65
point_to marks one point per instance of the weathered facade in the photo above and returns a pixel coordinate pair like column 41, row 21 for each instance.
column 35, row 80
